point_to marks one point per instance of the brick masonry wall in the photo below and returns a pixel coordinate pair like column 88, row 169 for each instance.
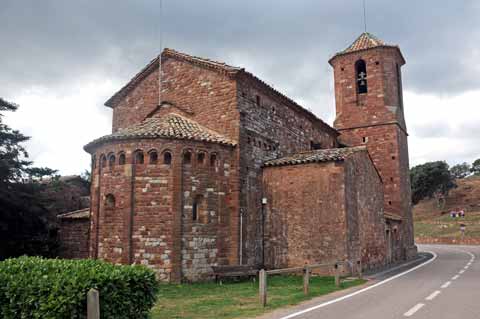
column 145, row 225
column 376, row 119
column 305, row 214
column 73, row 236
column 204, row 95
column 271, row 127
column 364, row 201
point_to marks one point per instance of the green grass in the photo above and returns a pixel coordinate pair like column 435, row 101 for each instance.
column 237, row 299
column 445, row 226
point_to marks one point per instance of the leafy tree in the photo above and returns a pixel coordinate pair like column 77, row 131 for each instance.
column 432, row 179
column 23, row 218
column 476, row 167
column 460, row 171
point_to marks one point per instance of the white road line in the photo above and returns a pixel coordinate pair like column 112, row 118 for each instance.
column 433, row 295
column 415, row 308
column 461, row 271
column 295, row 314
column 466, row 267
column 445, row 285
column 455, row 277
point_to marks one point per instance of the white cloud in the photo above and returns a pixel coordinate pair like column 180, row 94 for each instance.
column 443, row 127
column 60, row 124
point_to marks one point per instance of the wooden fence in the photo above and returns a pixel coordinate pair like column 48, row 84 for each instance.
column 306, row 270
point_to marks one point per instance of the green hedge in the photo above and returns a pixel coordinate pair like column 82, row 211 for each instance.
column 33, row 287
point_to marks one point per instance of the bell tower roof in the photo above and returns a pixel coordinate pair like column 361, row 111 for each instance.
column 364, row 42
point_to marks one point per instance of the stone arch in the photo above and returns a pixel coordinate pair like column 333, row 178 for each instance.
column 138, row 157
column 111, row 160
column 122, row 158
column 187, row 157
column 201, row 157
column 167, row 157
column 152, row 157
column 103, row 161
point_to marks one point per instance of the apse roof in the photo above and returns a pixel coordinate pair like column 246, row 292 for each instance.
column 171, row 125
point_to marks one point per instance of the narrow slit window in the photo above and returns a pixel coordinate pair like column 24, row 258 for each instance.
column 139, row 158
column 187, row 158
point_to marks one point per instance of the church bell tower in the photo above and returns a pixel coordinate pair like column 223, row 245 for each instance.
column 369, row 111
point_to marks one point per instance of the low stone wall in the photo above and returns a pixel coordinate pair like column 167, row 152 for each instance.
column 447, row 240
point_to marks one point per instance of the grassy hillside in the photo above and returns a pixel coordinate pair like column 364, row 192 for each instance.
column 430, row 221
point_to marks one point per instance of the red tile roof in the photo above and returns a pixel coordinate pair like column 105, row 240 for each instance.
column 171, row 126
column 364, row 42
column 316, row 156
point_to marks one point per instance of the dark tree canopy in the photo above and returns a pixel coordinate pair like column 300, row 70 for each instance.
column 476, row 167
column 430, row 179
column 23, row 217
column 460, row 171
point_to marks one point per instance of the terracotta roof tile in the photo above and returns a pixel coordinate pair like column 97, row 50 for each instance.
column 172, row 126
column 364, row 42
column 78, row 214
column 327, row 155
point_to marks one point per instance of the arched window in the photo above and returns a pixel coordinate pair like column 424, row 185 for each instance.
column 103, row 161
column 213, row 160
column 153, row 157
column 121, row 159
column 201, row 158
column 110, row 201
column 187, row 158
column 139, row 158
column 111, row 161
column 167, row 158
column 361, row 76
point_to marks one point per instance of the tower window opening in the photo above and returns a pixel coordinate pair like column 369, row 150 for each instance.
column 257, row 99
column 361, row 76
column 364, row 139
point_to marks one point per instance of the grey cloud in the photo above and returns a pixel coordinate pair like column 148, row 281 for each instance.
column 55, row 42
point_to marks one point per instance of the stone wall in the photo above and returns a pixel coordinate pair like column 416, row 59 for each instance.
column 305, row 214
column 73, row 238
column 364, row 202
column 271, row 126
column 149, row 221
column 376, row 119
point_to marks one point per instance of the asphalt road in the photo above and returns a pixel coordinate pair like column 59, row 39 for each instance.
column 447, row 286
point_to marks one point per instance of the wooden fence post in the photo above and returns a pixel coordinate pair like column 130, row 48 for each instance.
column 306, row 280
column 93, row 304
column 262, row 287
column 359, row 269
column 337, row 275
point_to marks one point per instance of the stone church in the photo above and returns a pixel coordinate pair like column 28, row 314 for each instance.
column 226, row 170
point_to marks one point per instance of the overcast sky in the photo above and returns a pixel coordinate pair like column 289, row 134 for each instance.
column 61, row 60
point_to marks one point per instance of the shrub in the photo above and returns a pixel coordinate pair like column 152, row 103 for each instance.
column 33, row 287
